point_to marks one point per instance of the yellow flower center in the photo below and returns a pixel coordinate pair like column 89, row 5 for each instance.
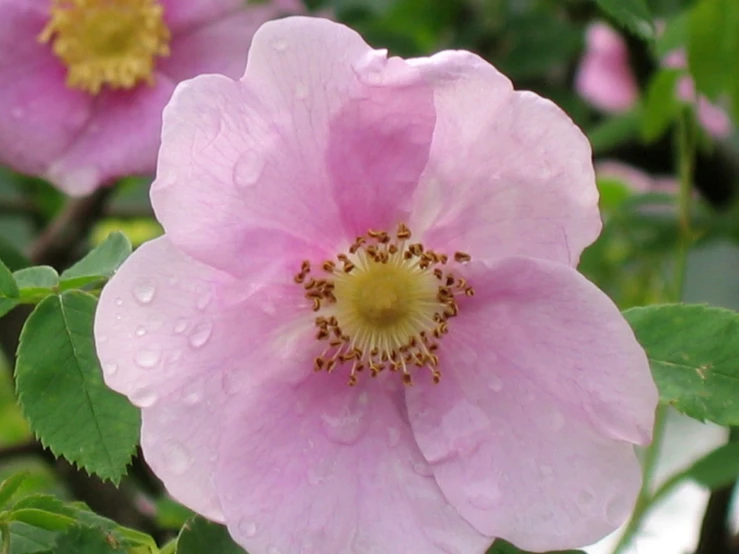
column 107, row 42
column 384, row 305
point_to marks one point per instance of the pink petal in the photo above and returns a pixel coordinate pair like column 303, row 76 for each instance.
column 183, row 16
column 332, row 469
column 120, row 138
column 179, row 438
column 509, row 173
column 604, row 77
column 39, row 115
column 714, row 119
column 544, row 414
column 273, row 148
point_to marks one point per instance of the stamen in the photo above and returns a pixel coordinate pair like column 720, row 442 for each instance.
column 107, row 42
column 384, row 305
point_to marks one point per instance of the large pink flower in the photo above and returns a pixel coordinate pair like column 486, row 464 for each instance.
column 83, row 83
column 363, row 330
column 605, row 79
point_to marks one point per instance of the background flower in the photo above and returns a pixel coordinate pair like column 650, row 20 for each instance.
column 78, row 139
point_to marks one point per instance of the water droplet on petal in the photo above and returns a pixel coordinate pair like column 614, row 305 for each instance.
column 319, row 472
column 144, row 397
column 422, row 468
column 494, row 383
column 203, row 300
column 280, row 45
column 146, row 359
column 180, row 326
column 110, row 368
column 585, row 498
column 349, row 422
column 140, row 331
column 301, row 91
column 248, row 528
column 200, row 334
column 144, row 290
column 272, row 549
column 176, row 457
column 119, row 301
column 248, row 169
column 483, row 497
column 617, row 510
column 193, row 395
column 393, row 436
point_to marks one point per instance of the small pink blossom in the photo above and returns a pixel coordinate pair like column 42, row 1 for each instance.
column 79, row 140
column 363, row 330
column 605, row 79
column 636, row 179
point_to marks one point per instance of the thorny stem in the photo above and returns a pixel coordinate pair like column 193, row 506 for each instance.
column 685, row 139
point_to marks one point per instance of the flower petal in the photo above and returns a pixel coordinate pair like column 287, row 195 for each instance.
column 332, row 469
column 120, row 138
column 509, row 173
column 182, row 16
column 533, row 430
column 179, row 438
column 39, row 114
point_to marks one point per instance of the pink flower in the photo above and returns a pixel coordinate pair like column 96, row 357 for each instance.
column 636, row 179
column 605, row 79
column 363, row 330
column 84, row 82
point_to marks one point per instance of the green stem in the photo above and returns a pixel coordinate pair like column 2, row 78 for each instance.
column 5, row 532
column 170, row 547
column 685, row 164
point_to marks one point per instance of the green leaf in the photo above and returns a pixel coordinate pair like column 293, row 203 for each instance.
column 87, row 540
column 8, row 290
column 36, row 283
column 502, row 547
column 10, row 486
column 693, row 351
column 662, row 105
column 632, row 14
column 200, row 535
column 713, row 44
column 26, row 539
column 100, row 263
column 61, row 390
column 615, row 131
column 718, row 468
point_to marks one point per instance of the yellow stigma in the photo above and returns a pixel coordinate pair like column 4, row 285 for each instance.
column 107, row 42
column 384, row 305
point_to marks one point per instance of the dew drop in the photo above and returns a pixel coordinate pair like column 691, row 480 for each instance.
column 494, row 383
column 280, row 45
column 393, row 436
column 200, row 334
column 119, row 301
column 318, row 473
column 347, row 424
column 144, row 397
column 557, row 421
column 585, row 498
column 203, row 300
column 146, row 359
column 617, row 510
column 180, row 326
column 301, row 91
column 193, row 396
column 248, row 528
column 422, row 468
column 272, row 549
column 140, row 331
column 144, row 290
column 248, row 169
column 176, row 457
column 111, row 368
column 483, row 496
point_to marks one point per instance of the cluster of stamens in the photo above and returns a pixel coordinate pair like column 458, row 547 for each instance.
column 384, row 305
column 107, row 42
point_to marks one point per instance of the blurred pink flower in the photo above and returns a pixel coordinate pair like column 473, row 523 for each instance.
column 84, row 82
column 605, row 79
column 636, row 179
column 340, row 226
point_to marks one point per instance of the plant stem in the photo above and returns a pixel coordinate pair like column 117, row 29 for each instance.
column 5, row 532
column 685, row 139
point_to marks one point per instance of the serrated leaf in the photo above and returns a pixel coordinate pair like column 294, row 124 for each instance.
column 632, row 14
column 502, row 547
column 100, row 263
column 693, row 351
column 87, row 540
column 36, row 283
column 718, row 468
column 61, row 390
column 199, row 535
column 661, row 106
column 10, row 486
column 8, row 290
column 25, row 539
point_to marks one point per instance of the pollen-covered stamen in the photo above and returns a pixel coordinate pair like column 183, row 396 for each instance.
column 107, row 42
column 384, row 305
